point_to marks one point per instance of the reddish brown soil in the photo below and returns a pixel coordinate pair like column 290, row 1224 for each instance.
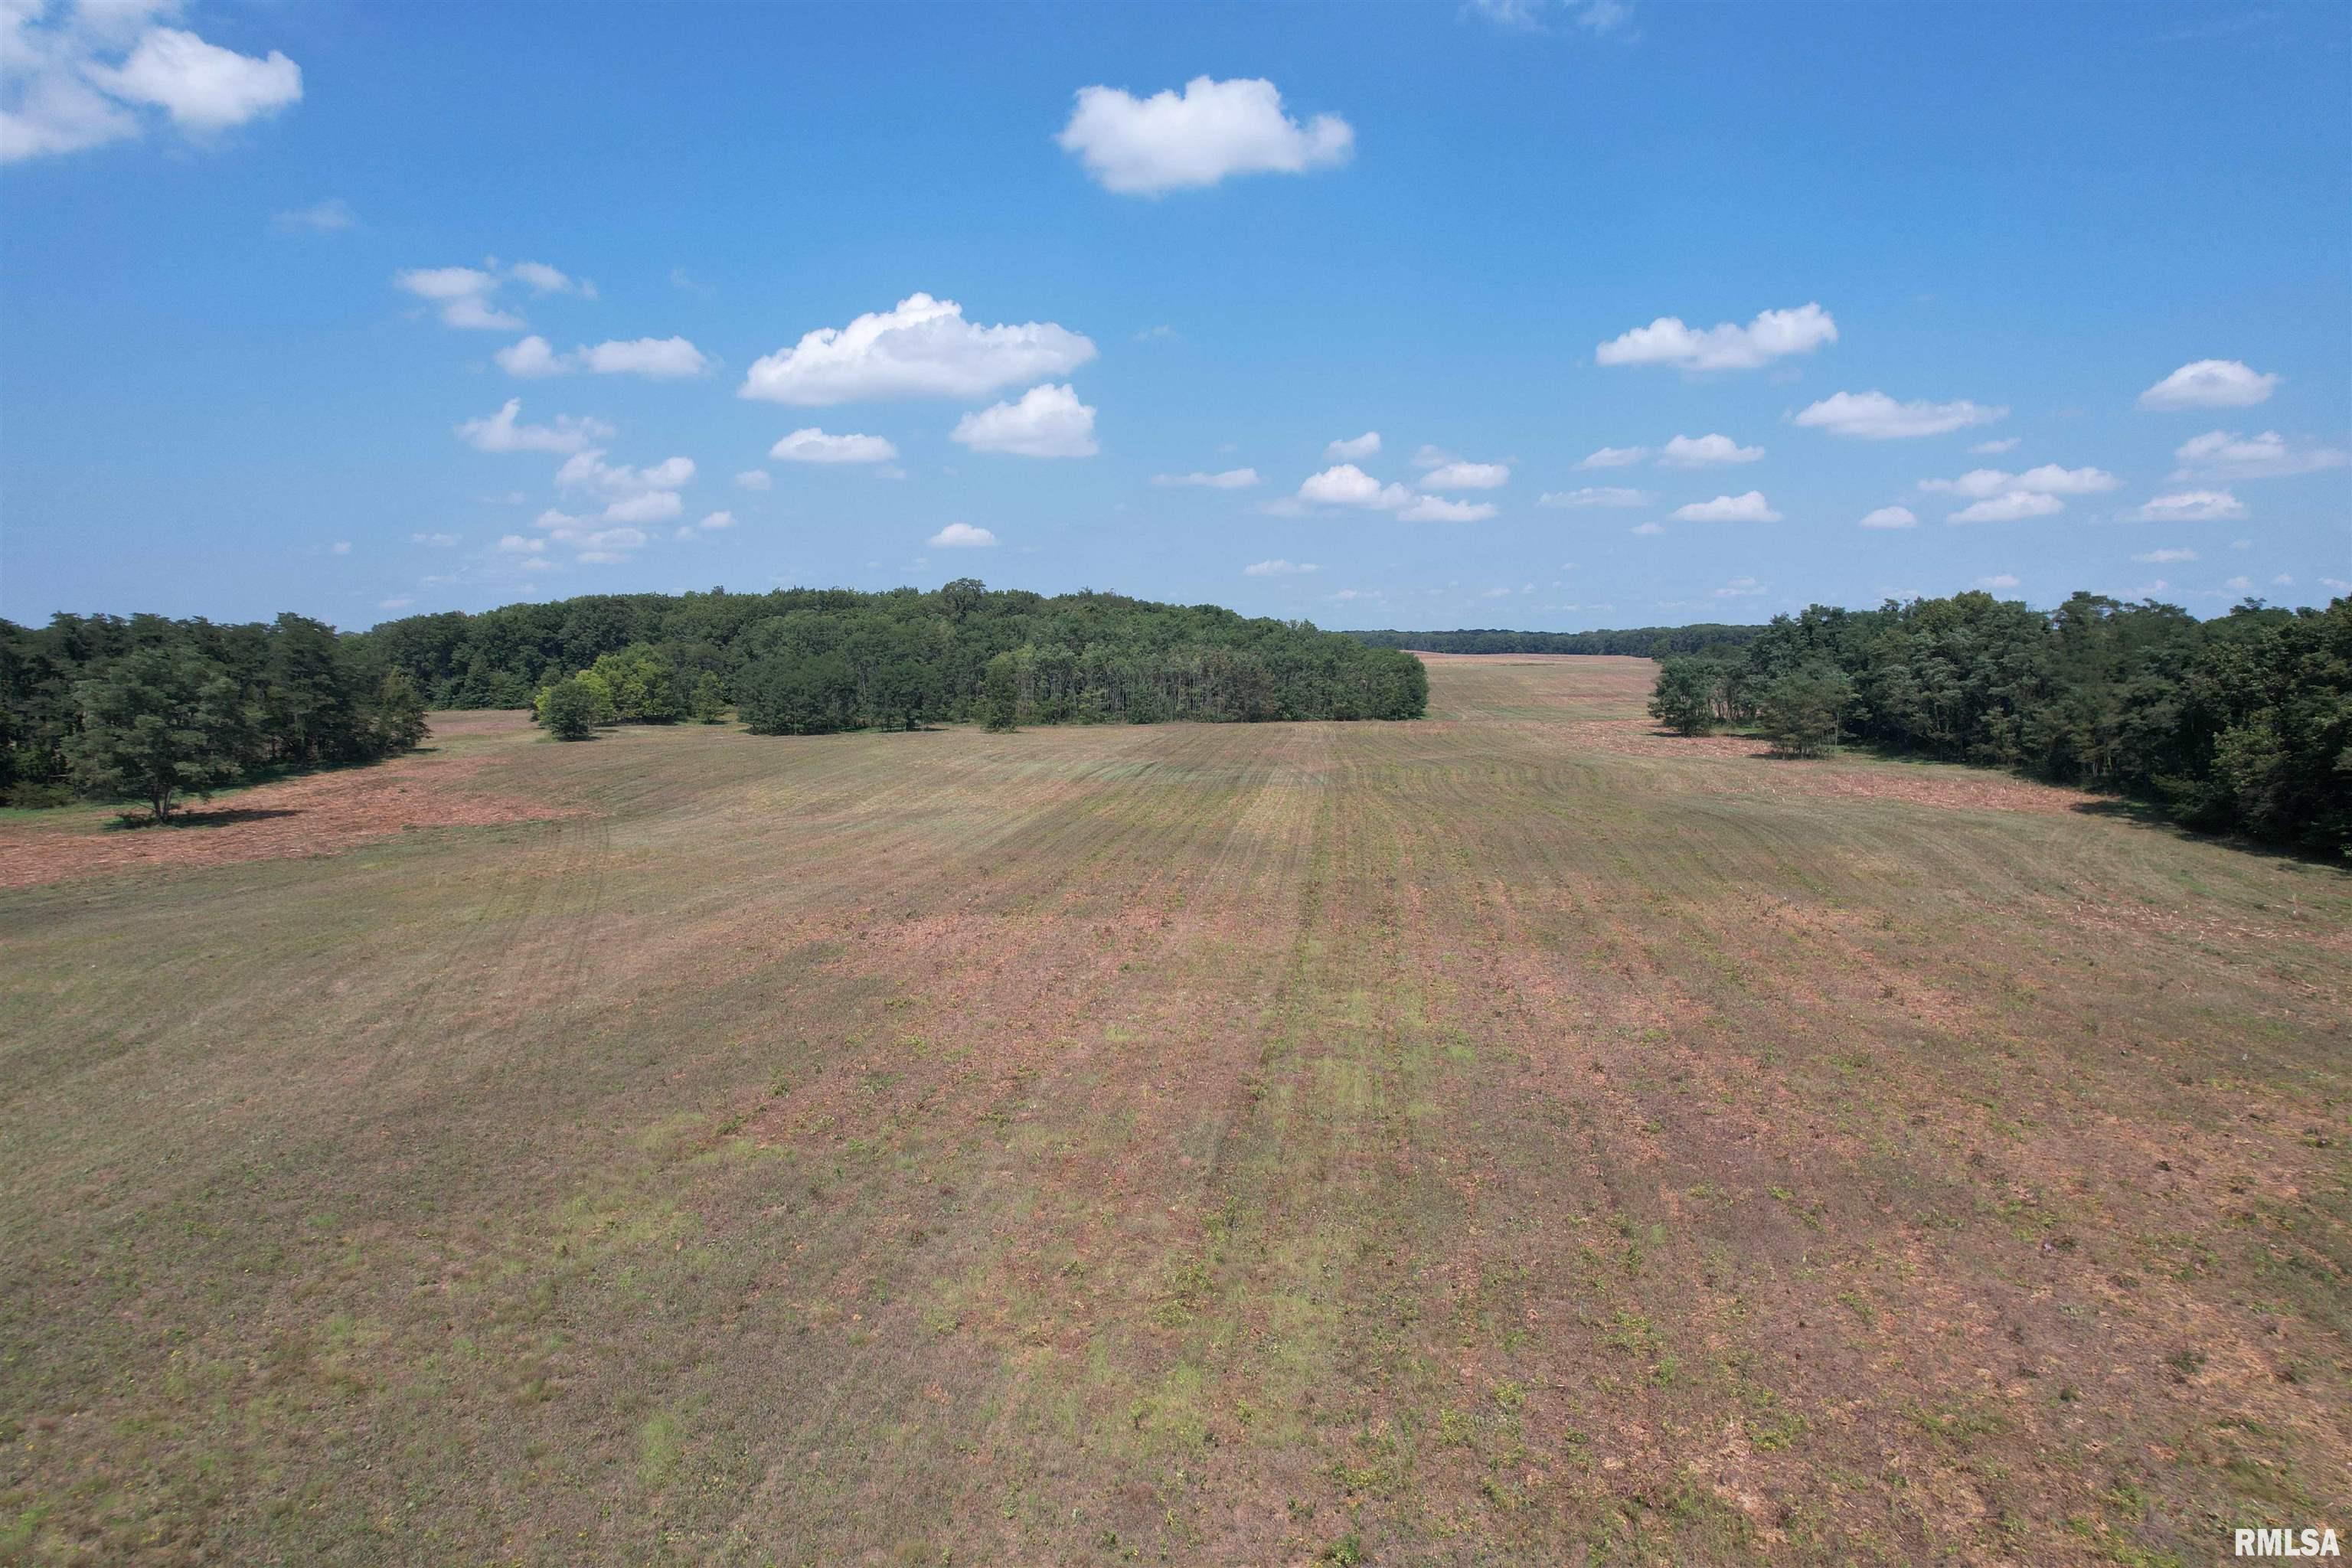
column 323, row 813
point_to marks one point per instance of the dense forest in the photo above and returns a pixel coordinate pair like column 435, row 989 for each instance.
column 802, row 660
column 1638, row 642
column 2239, row 724
column 150, row 709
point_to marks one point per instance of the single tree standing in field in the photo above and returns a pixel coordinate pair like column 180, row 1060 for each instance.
column 1683, row 701
column 155, row 723
column 569, row 709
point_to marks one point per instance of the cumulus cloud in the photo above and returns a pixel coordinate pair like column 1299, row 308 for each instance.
column 2048, row 480
column 632, row 495
column 656, row 359
column 922, row 347
column 1145, row 146
column 1874, row 417
column 1653, row 526
column 2193, row 506
column 1615, row 457
column 1460, row 476
column 1748, row 507
column 1353, row 450
column 1891, row 517
column 82, row 75
column 542, row 279
column 1231, row 480
column 962, row 536
column 1348, row 485
column 2003, row 580
column 714, row 521
column 1773, row 334
column 2013, row 506
column 2227, row 454
column 1048, row 422
column 516, row 544
column 503, row 432
column 329, row 216
column 814, row 446
column 1594, row 495
column 437, row 541
column 463, row 294
column 1278, row 568
column 2210, row 383
column 1705, row 452
column 1739, row 588
column 1994, row 448
column 1437, row 509
column 754, row 479
column 2164, row 557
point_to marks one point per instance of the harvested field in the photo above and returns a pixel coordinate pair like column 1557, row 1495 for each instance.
column 1512, row 1137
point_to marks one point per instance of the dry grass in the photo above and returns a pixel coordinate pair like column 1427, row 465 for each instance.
column 1504, row 1138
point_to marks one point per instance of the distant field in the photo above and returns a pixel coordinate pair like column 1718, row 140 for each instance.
column 1513, row 1138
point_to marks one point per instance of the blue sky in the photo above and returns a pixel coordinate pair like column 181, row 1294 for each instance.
column 239, row 373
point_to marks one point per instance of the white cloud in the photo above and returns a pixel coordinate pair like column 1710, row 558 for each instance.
column 1348, row 485
column 653, row 505
column 2003, row 580
column 717, row 521
column 2164, row 557
column 1278, row 568
column 1874, row 417
column 1993, row 448
column 530, row 358
column 1231, row 480
column 2193, row 506
column 1048, row 422
column 1436, row 508
column 322, row 217
column 754, row 479
column 656, row 359
column 2013, row 506
column 814, row 446
column 1705, row 451
column 1602, row 495
column 1466, row 476
column 400, row 603
column 1601, row 16
column 462, row 292
column 1748, row 507
column 2335, row 584
column 2283, row 581
column 437, row 541
column 1429, row 456
column 2210, row 383
column 201, row 86
column 542, row 279
column 2048, row 479
column 922, row 347
column 516, row 544
column 1891, row 517
column 633, row 495
column 1772, row 335
column 500, row 432
column 2239, row 585
column 2227, row 454
column 960, row 536
column 340, row 547
column 1149, row 145
column 1739, row 588
column 1651, row 527
column 1615, row 457
column 1354, row 450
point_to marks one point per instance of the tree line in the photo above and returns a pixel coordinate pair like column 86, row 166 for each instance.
column 1636, row 642
column 812, row 660
column 2239, row 724
column 150, row 709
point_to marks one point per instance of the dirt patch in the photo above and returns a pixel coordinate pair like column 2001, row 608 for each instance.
column 1945, row 786
column 323, row 813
